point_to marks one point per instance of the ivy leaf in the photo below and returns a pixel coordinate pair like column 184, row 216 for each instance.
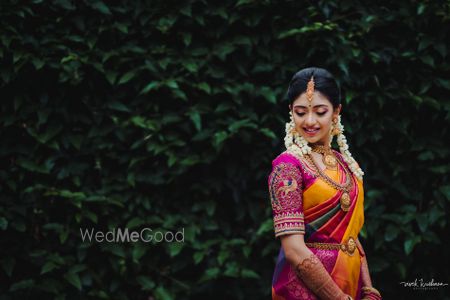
column 101, row 7
column 145, row 282
column 127, row 77
column 73, row 279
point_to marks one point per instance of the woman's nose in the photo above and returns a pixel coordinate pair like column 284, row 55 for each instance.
column 310, row 120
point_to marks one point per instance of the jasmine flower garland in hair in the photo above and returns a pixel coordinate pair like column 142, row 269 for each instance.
column 343, row 148
column 293, row 141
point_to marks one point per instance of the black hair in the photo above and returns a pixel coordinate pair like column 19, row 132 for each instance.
column 324, row 82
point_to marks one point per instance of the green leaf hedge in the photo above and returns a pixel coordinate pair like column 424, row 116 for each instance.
column 167, row 115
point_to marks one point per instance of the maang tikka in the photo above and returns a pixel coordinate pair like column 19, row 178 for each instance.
column 310, row 91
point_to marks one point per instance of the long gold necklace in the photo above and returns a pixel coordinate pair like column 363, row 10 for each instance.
column 328, row 157
column 345, row 188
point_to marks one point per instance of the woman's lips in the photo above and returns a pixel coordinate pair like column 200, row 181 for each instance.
column 311, row 132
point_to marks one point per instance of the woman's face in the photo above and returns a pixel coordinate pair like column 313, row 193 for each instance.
column 313, row 120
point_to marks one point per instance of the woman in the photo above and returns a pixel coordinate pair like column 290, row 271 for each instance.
column 317, row 199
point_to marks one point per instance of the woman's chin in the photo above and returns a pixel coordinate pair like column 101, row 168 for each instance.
column 312, row 139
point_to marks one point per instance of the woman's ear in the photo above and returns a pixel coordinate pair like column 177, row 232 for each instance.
column 290, row 107
column 338, row 109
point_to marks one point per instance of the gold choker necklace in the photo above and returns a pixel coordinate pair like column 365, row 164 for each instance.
column 329, row 159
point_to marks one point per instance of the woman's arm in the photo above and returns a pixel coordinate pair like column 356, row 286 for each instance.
column 310, row 269
column 368, row 291
column 365, row 274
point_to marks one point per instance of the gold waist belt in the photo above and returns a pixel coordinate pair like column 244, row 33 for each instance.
column 348, row 247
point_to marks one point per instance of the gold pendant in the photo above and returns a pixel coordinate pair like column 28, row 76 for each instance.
column 345, row 201
column 330, row 161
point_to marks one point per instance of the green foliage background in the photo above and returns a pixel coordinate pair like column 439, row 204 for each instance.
column 166, row 114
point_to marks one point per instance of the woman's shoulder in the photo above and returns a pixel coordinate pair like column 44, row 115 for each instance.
column 287, row 157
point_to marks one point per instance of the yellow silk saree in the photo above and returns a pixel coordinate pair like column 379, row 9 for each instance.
column 303, row 203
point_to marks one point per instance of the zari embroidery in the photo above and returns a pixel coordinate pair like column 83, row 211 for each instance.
column 287, row 221
column 286, row 198
column 304, row 165
column 282, row 192
column 297, row 289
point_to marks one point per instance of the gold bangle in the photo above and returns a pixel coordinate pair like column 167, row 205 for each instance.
column 371, row 289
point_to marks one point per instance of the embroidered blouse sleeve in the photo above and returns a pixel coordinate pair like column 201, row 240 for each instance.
column 285, row 189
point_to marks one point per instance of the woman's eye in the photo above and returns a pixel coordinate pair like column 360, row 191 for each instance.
column 300, row 114
column 321, row 113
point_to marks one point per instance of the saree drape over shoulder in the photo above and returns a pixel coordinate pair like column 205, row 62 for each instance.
column 303, row 203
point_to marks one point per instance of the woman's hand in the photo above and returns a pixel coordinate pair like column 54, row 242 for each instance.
column 310, row 269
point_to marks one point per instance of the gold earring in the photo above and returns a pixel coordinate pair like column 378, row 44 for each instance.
column 293, row 131
column 334, row 128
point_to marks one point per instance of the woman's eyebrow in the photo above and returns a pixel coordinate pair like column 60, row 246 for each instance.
column 318, row 105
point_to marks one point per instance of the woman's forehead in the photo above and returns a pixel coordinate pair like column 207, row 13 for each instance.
column 318, row 100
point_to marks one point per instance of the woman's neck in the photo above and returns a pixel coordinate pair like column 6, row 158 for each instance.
column 324, row 142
